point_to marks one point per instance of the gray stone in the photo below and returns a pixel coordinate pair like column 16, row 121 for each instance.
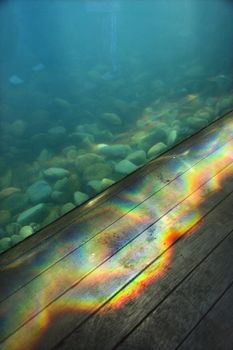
column 137, row 157
column 56, row 173
column 39, row 192
column 80, row 197
column 157, row 149
column 114, row 151
column 34, row 214
column 125, row 167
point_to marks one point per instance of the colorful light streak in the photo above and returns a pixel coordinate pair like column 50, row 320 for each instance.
column 144, row 245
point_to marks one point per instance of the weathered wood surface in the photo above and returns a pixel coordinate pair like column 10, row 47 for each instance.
column 215, row 329
column 109, row 326
column 170, row 322
column 147, row 243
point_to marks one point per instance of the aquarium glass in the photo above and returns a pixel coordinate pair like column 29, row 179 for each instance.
column 92, row 90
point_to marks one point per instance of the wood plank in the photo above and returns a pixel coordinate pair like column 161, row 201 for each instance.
column 215, row 331
column 192, row 144
column 125, row 262
column 169, row 323
column 71, row 240
column 112, row 324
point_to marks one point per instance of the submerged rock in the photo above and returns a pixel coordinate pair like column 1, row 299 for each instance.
column 85, row 160
column 5, row 217
column 67, row 207
column 55, row 173
column 196, row 123
column 59, row 196
column 97, row 171
column 157, row 149
column 7, row 192
column 125, row 167
column 111, row 119
column 39, row 192
column 15, row 203
column 96, row 185
column 16, row 239
column 114, row 151
column 26, row 231
column 137, row 157
column 5, row 243
column 80, row 197
column 34, row 214
column 172, row 137
column 13, row 228
column 156, row 136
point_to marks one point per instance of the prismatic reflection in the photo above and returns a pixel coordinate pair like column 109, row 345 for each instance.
column 129, row 254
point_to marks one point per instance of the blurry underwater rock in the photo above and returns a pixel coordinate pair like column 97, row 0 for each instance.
column 40, row 191
column 97, row 171
column 57, row 137
column 26, row 231
column 196, row 123
column 113, row 151
column 16, row 80
column 172, row 137
column 125, row 167
column 8, row 191
column 137, row 157
column 87, row 159
column 16, row 202
column 96, row 186
column 34, row 214
column 5, row 243
column 224, row 104
column 111, row 119
column 59, row 197
column 13, row 228
column 159, row 134
column 5, row 217
column 80, row 197
column 17, row 128
column 157, row 149
column 66, row 208
column 55, row 173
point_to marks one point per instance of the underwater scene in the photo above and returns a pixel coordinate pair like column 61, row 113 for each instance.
column 91, row 90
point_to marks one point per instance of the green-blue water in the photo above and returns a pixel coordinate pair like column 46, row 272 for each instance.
column 92, row 90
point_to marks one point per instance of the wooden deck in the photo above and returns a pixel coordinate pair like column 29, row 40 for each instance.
column 148, row 264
